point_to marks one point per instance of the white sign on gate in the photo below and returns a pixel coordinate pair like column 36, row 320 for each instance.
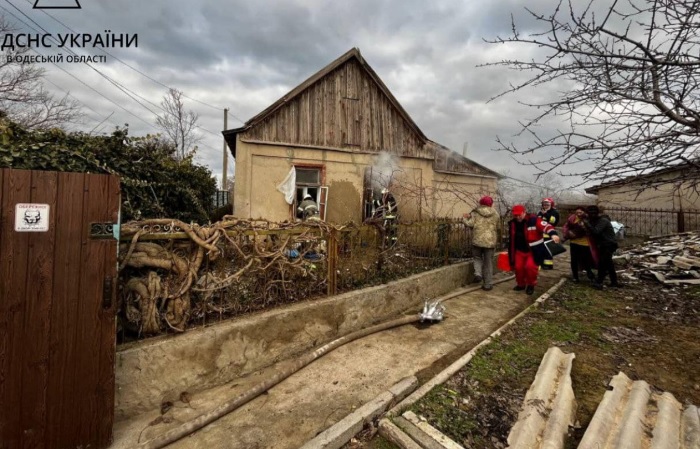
column 31, row 217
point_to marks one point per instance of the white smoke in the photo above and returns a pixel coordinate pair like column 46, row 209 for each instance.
column 384, row 171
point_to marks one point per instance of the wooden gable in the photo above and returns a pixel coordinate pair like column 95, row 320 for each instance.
column 344, row 106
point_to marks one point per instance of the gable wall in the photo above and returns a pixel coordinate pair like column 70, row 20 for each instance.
column 346, row 109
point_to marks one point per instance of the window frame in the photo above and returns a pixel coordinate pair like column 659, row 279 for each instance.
column 304, row 186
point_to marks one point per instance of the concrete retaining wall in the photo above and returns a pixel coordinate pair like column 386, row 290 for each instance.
column 157, row 370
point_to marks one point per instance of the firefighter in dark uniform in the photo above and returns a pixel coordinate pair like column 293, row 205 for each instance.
column 549, row 214
column 308, row 209
column 387, row 210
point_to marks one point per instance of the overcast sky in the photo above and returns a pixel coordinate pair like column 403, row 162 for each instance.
column 244, row 55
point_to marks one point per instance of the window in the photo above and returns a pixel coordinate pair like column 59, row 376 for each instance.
column 308, row 176
column 309, row 183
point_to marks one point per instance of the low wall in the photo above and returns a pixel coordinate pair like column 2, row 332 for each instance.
column 157, row 370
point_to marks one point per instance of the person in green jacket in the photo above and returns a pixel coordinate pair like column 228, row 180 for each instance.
column 484, row 221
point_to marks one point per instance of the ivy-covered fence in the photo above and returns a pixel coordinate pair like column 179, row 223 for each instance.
column 174, row 276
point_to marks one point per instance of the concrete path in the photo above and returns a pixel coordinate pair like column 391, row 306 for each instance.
column 327, row 390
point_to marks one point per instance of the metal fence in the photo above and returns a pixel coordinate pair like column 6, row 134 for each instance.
column 221, row 198
column 255, row 268
column 648, row 222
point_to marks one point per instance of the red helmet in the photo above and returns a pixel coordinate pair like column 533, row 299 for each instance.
column 549, row 200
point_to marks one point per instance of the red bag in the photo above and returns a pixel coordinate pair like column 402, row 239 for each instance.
column 503, row 263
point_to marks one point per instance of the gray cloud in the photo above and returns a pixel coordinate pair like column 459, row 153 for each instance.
column 244, row 55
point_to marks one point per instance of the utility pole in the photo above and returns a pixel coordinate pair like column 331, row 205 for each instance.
column 224, row 179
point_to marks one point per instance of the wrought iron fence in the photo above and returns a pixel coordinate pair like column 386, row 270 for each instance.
column 170, row 282
column 648, row 222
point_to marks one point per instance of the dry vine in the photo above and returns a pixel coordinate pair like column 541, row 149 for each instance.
column 232, row 266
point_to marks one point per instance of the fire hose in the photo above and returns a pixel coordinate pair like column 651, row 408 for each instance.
column 432, row 312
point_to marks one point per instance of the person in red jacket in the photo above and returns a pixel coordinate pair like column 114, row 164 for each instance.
column 526, row 250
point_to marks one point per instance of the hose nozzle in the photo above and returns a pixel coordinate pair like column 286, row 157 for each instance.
column 432, row 311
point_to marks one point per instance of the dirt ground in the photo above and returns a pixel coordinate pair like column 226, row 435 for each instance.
column 645, row 330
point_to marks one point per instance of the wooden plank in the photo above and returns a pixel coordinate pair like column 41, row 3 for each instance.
column 108, row 330
column 339, row 106
column 366, row 133
column 353, row 75
column 62, row 400
column 318, row 120
column 96, row 196
column 305, row 120
column 381, row 122
column 293, row 125
column 374, row 117
column 313, row 106
column 16, row 188
column 37, row 325
column 332, row 137
column 352, row 111
column 329, row 111
column 344, row 122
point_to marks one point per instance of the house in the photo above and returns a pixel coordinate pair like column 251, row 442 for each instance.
column 344, row 138
column 668, row 188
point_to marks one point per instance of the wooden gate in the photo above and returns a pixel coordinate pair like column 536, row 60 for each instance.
column 57, row 301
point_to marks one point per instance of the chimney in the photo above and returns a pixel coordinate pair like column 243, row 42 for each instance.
column 464, row 149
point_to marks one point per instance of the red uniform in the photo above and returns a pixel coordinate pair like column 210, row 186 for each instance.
column 526, row 250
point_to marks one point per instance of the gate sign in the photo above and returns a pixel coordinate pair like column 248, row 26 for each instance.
column 31, row 217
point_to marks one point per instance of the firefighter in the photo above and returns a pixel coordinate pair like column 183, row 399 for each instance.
column 549, row 214
column 387, row 210
column 526, row 250
column 308, row 209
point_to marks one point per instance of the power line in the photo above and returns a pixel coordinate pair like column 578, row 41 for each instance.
column 76, row 78
column 78, row 100
column 115, row 83
column 101, row 123
column 139, row 71
column 128, row 92
column 521, row 181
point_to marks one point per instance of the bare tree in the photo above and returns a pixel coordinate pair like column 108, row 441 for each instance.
column 23, row 98
column 513, row 191
column 628, row 73
column 179, row 125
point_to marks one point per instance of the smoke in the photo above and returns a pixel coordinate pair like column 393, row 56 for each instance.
column 384, row 171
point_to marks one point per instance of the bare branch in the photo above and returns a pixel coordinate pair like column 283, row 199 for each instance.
column 631, row 98
column 178, row 124
column 23, row 98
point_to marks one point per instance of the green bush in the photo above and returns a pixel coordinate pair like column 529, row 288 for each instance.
column 153, row 183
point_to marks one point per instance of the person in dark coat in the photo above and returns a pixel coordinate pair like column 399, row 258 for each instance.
column 584, row 254
column 549, row 214
column 600, row 229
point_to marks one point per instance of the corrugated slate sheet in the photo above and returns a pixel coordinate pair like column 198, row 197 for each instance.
column 633, row 416
column 549, row 406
